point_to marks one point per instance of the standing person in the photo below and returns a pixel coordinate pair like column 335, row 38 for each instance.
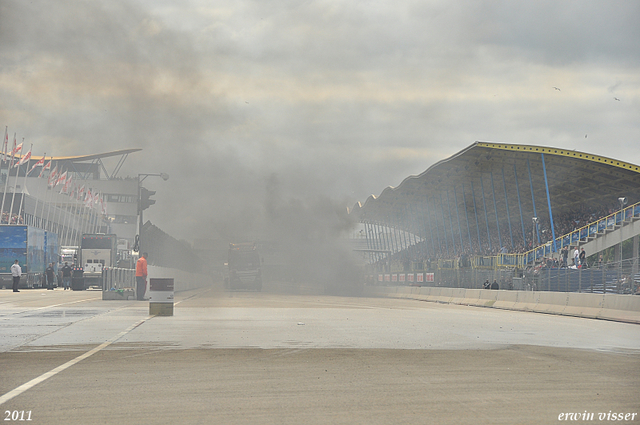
column 583, row 258
column 565, row 256
column 141, row 276
column 16, row 272
column 576, row 257
column 66, row 276
column 50, row 276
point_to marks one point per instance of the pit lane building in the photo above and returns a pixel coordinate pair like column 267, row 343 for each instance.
column 32, row 200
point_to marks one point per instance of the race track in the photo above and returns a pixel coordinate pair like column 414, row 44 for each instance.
column 266, row 358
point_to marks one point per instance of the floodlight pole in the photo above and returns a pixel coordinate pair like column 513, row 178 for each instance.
column 533, row 239
column 141, row 178
column 623, row 201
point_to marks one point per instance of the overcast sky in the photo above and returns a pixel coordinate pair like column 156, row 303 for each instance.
column 314, row 104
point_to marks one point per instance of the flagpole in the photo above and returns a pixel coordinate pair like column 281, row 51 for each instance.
column 50, row 187
column 74, row 235
column 63, row 232
column 13, row 198
column 59, row 210
column 95, row 216
column 51, row 206
column 35, row 209
column 6, row 183
column 24, row 186
column 5, row 143
column 78, row 229
column 81, row 223
column 67, row 213
column 75, row 217
column 47, row 202
column 44, row 198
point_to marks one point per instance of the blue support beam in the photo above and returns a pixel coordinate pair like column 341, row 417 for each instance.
column 444, row 226
column 524, row 235
column 506, row 202
column 546, row 185
column 455, row 198
column 475, row 211
column 495, row 209
column 533, row 201
column 466, row 214
column 486, row 216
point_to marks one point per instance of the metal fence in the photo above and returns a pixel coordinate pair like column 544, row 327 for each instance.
column 614, row 278
column 474, row 278
column 619, row 278
column 114, row 279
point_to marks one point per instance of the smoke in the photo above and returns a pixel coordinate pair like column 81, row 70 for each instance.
column 312, row 237
column 272, row 118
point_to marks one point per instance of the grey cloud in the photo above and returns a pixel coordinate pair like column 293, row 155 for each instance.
column 338, row 100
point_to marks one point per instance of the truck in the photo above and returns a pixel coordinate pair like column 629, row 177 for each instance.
column 69, row 255
column 97, row 252
column 243, row 267
column 29, row 246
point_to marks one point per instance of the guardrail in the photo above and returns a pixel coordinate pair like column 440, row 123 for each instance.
column 584, row 234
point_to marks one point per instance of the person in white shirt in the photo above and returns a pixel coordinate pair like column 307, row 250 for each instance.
column 576, row 257
column 16, row 272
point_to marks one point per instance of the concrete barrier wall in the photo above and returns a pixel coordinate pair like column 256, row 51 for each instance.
column 584, row 305
column 622, row 308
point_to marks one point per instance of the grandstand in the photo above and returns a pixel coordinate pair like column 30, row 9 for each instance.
column 507, row 210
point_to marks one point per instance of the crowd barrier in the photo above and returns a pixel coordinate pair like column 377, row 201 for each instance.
column 622, row 308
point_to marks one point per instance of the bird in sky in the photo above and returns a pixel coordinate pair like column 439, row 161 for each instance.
column 557, row 88
column 615, row 98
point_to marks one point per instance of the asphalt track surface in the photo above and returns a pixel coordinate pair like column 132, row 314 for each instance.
column 265, row 358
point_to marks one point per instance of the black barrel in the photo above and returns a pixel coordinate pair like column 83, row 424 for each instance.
column 77, row 279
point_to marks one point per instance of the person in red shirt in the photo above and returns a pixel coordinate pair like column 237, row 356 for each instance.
column 141, row 276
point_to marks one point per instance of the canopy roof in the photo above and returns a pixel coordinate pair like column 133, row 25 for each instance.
column 501, row 186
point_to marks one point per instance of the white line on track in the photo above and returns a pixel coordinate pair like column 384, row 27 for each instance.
column 50, row 306
column 24, row 387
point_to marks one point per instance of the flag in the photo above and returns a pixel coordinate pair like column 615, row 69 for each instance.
column 24, row 159
column 16, row 149
column 37, row 164
column 52, row 177
column 88, row 200
column 45, row 168
column 80, row 192
column 67, row 184
column 72, row 192
column 62, row 179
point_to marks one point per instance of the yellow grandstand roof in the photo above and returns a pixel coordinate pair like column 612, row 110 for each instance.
column 92, row 157
column 504, row 186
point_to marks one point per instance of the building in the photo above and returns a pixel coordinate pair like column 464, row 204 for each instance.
column 75, row 195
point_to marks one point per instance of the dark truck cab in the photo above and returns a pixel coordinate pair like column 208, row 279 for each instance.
column 243, row 267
